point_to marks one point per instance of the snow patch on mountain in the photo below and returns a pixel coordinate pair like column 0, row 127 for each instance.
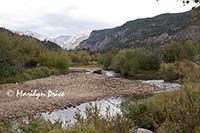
column 34, row 35
column 60, row 40
column 75, row 40
column 64, row 41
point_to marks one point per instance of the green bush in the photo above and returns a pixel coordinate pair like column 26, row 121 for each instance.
column 180, row 70
column 92, row 122
column 197, row 129
column 169, row 72
column 106, row 58
column 25, row 58
column 7, row 67
column 177, row 51
column 6, row 126
column 29, row 74
column 58, row 60
column 176, row 111
column 37, row 73
column 133, row 61
column 81, row 57
column 188, row 69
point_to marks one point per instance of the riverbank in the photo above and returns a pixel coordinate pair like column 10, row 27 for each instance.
column 77, row 88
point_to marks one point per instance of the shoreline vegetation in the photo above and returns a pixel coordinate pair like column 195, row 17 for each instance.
column 160, row 112
column 24, row 59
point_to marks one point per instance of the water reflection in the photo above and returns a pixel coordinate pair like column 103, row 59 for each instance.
column 66, row 116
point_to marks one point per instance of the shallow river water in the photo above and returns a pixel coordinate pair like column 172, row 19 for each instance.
column 66, row 116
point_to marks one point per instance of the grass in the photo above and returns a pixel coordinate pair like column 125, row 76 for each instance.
column 93, row 122
column 167, row 112
column 30, row 74
column 176, row 111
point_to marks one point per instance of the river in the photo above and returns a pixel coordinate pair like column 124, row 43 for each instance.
column 66, row 116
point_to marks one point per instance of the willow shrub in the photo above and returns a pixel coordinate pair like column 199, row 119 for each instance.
column 176, row 111
column 92, row 122
column 133, row 61
column 80, row 57
column 180, row 70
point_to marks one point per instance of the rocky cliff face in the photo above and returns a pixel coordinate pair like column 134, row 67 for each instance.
column 145, row 33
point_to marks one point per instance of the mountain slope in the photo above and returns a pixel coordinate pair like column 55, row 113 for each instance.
column 60, row 40
column 41, row 39
column 146, row 33
column 34, row 35
column 75, row 40
column 66, row 42
column 26, row 58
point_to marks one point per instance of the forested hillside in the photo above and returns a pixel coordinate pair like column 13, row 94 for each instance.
column 25, row 58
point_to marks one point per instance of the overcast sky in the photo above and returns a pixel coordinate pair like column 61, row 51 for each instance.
column 68, row 17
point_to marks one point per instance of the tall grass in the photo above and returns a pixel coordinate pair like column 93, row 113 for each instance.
column 170, row 112
column 91, row 122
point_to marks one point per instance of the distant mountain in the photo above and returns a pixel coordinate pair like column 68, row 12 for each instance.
column 66, row 42
column 34, row 35
column 60, row 40
column 41, row 39
column 74, row 41
column 145, row 33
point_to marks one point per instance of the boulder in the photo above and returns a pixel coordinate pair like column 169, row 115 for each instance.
column 98, row 71
column 139, row 130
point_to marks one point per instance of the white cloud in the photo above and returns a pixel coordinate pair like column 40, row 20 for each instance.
column 53, row 17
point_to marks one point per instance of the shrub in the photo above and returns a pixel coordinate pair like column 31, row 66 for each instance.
column 94, row 122
column 6, row 126
column 21, row 56
column 176, row 111
column 80, row 57
column 39, row 125
column 106, row 58
column 91, row 122
column 36, row 73
column 29, row 74
column 180, row 70
column 177, row 51
column 7, row 67
column 58, row 60
column 188, row 69
column 168, row 72
column 133, row 61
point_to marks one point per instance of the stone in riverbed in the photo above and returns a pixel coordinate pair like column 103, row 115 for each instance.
column 99, row 71
column 139, row 130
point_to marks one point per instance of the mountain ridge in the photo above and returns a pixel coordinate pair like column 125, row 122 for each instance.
column 64, row 41
column 144, row 33
column 60, row 40
column 73, row 42
column 43, row 42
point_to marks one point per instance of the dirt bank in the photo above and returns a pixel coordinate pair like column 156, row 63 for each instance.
column 76, row 87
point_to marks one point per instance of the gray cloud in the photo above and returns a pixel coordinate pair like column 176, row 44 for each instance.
column 58, row 24
column 57, row 17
